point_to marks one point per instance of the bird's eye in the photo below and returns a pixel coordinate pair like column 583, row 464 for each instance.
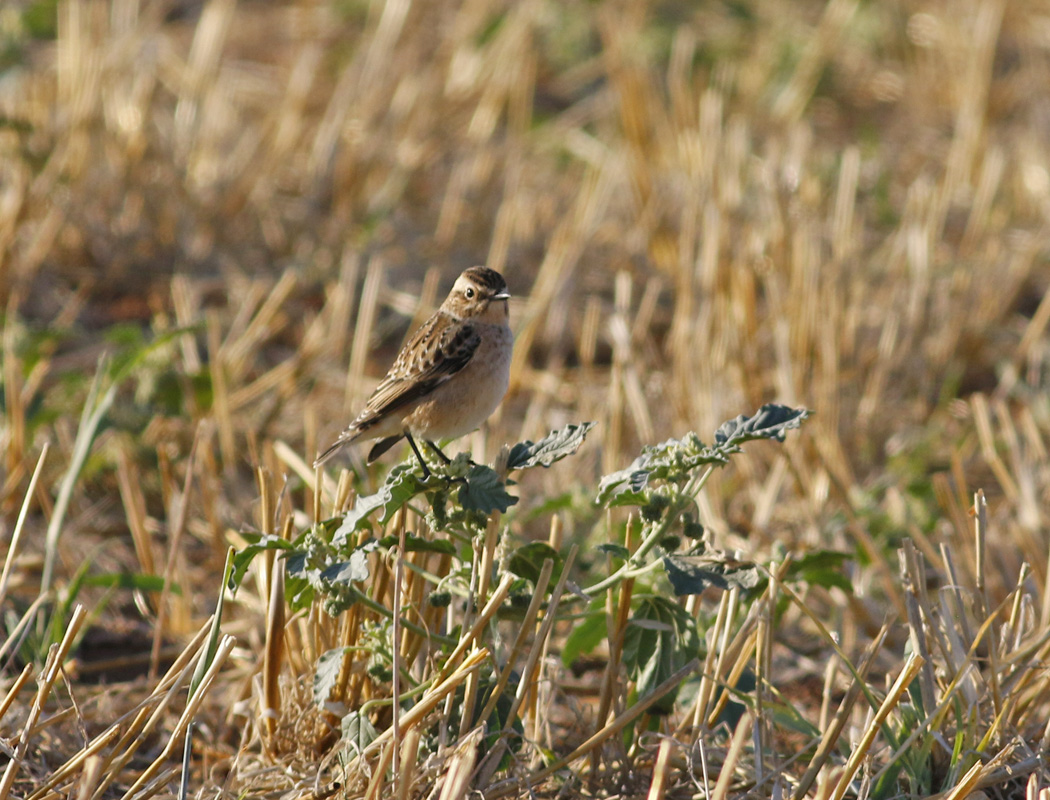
column 469, row 293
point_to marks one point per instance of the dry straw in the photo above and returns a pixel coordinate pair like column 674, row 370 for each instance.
column 699, row 208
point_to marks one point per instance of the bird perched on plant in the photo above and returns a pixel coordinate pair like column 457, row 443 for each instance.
column 448, row 378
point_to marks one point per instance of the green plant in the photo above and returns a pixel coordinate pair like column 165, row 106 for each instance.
column 411, row 565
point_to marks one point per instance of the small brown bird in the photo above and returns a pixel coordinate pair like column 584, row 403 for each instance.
column 448, row 378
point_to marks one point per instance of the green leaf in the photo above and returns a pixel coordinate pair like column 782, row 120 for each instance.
column 672, row 460
column 614, row 550
column 130, row 580
column 327, row 674
column 310, row 573
column 786, row 717
column 628, row 497
column 299, row 591
column 256, row 544
column 624, row 488
column 553, row 447
column 40, row 19
column 353, row 569
column 141, row 350
column 96, row 406
column 888, row 786
column 771, row 422
column 498, row 724
column 676, row 459
column 586, row 634
column 420, row 544
column 401, row 485
column 527, row 561
column 545, row 507
column 822, row 568
column 694, row 574
column 358, row 731
column 660, row 639
column 212, row 647
column 296, row 564
column 484, row 491
column 498, row 721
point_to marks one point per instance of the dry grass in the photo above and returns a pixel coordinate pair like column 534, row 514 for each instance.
column 700, row 208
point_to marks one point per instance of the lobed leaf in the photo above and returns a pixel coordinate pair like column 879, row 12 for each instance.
column 672, row 460
column 675, row 459
column 401, row 485
column 553, row 447
column 299, row 591
column 624, row 487
column 615, row 550
column 695, row 574
column 484, row 491
column 772, row 421
column 353, row 569
column 326, row 675
column 358, row 731
column 660, row 639
column 527, row 561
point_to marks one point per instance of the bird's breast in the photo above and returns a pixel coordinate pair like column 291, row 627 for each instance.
column 469, row 397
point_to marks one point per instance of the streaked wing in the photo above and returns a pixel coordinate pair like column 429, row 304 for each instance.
column 439, row 350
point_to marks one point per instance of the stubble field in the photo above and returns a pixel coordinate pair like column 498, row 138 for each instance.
column 219, row 221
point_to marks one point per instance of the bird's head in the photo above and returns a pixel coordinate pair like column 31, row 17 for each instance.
column 479, row 293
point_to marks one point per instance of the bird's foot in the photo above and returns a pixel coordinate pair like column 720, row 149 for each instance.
column 438, row 452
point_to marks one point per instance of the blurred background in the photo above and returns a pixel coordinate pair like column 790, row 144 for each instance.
column 699, row 208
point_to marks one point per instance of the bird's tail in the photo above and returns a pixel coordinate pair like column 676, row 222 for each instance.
column 345, row 438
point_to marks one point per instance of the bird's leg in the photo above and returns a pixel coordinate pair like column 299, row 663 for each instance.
column 437, row 450
column 442, row 456
column 422, row 463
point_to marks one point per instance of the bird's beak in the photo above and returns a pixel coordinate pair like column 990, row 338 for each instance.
column 504, row 295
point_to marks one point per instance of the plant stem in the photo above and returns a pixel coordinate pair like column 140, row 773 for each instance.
column 379, row 608
column 630, row 567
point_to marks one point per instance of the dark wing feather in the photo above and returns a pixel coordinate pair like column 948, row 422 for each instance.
column 382, row 446
column 436, row 353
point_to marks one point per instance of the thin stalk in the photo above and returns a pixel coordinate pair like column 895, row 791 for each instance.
column 630, row 568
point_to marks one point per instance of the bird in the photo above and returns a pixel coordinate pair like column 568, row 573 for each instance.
column 447, row 379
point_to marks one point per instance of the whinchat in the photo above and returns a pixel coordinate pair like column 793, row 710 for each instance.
column 448, row 378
